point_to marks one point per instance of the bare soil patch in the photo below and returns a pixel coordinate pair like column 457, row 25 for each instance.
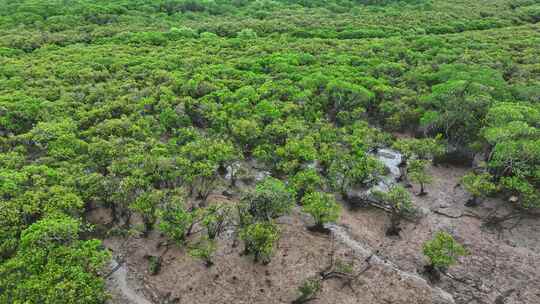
column 502, row 266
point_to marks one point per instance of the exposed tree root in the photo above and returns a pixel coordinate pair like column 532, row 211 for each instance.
column 458, row 216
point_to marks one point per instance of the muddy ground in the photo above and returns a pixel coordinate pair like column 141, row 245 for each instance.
column 503, row 265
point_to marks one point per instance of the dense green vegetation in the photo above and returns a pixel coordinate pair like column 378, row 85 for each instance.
column 139, row 106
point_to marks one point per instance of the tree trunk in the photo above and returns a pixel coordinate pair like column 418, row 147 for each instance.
column 190, row 229
column 148, row 225
column 127, row 215
column 394, row 228
column 473, row 202
column 433, row 274
column 114, row 212
column 422, row 190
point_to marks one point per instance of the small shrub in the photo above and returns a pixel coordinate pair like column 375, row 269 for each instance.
column 416, row 171
column 322, row 206
column 260, row 239
column 478, row 185
column 442, row 251
column 270, row 199
column 204, row 251
column 308, row 290
column 154, row 264
column 306, row 181
column 400, row 203
column 175, row 221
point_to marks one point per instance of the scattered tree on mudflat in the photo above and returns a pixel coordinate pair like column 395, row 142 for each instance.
column 141, row 107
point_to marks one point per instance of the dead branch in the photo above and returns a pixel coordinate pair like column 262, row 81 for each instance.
column 115, row 268
column 464, row 281
column 458, row 216
column 331, row 272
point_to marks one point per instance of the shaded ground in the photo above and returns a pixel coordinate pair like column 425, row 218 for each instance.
column 502, row 266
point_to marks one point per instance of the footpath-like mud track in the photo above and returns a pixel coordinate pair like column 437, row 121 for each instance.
column 503, row 266
column 118, row 282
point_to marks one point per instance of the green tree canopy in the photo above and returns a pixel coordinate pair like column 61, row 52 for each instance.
column 53, row 266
